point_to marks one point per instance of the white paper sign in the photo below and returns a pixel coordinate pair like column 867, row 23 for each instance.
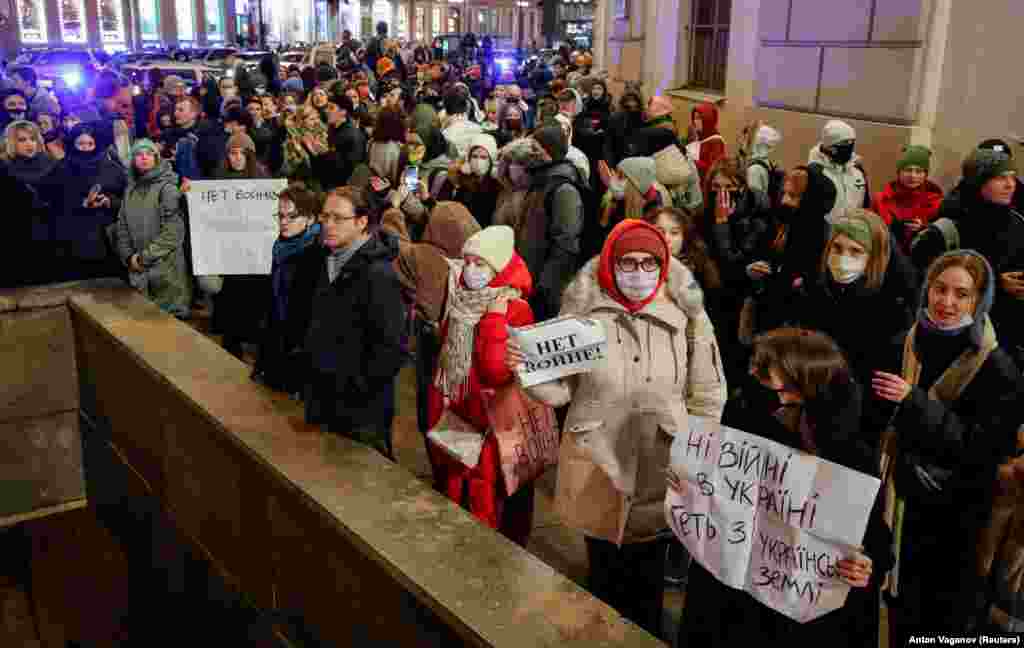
column 233, row 225
column 768, row 519
column 559, row 347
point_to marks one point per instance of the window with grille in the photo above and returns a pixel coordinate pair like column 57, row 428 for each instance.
column 709, row 43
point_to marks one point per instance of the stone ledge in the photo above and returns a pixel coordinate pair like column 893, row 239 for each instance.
column 32, row 297
column 698, row 96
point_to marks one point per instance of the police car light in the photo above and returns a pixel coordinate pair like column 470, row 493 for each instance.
column 73, row 79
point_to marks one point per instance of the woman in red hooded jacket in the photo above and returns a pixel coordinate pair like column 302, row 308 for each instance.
column 706, row 145
column 911, row 201
column 487, row 292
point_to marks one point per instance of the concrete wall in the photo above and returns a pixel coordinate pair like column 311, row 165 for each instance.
column 307, row 525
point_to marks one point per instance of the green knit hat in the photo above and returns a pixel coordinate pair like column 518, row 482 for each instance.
column 854, row 229
column 984, row 164
column 918, row 156
column 145, row 145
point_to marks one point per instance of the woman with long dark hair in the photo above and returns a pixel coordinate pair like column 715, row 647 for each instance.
column 802, row 396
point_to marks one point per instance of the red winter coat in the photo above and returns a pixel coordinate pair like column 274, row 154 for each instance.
column 486, row 492
column 896, row 204
column 710, row 152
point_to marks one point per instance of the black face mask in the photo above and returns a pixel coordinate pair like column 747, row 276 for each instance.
column 786, row 214
column 840, row 153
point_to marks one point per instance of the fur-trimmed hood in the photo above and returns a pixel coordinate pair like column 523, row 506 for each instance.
column 584, row 294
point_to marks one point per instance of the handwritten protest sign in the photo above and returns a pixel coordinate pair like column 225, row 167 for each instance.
column 767, row 518
column 527, row 435
column 559, row 347
column 457, row 438
column 234, row 225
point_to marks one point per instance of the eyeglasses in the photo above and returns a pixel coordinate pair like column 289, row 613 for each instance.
column 629, row 264
column 294, row 216
column 328, row 219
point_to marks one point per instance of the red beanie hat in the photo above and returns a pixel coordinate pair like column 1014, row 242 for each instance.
column 632, row 235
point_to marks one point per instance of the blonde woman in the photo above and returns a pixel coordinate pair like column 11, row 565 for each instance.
column 32, row 172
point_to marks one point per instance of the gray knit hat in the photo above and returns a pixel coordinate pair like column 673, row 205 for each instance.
column 641, row 171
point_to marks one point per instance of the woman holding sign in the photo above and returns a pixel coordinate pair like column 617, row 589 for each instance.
column 487, row 289
column 662, row 366
column 809, row 401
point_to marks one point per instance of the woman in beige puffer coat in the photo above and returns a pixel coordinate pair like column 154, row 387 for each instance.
column 662, row 366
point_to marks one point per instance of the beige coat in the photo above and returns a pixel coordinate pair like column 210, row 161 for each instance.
column 662, row 366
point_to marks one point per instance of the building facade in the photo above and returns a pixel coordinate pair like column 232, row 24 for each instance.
column 929, row 72
column 116, row 24
column 422, row 20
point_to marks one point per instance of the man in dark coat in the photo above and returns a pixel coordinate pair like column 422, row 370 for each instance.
column 347, row 145
column 348, row 299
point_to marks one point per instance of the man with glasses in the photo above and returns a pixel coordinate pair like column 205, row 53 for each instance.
column 347, row 299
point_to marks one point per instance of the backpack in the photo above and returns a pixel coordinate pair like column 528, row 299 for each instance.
column 946, row 230
column 776, row 179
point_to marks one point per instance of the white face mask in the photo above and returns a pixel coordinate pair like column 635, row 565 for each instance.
column 618, row 188
column 476, row 277
column 845, row 268
column 480, row 167
column 637, row 286
column 964, row 322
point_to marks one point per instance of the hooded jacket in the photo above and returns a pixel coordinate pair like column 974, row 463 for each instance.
column 712, row 148
column 766, row 140
column 662, row 366
column 421, row 266
column 151, row 225
column 549, row 240
column 958, row 423
column 850, row 182
column 81, row 231
column 511, row 205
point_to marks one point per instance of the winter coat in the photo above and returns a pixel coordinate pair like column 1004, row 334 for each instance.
column 459, row 134
column 278, row 358
column 478, row 194
column 151, row 225
column 347, row 151
column 712, row 148
column 352, row 327
column 661, row 366
column 896, row 205
column 421, row 266
column 489, row 371
column 81, row 233
column 1001, row 557
column 948, row 451
column 620, row 127
column 719, row 616
column 849, row 179
column 549, row 240
column 758, row 178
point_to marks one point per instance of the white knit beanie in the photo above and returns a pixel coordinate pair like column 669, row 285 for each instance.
column 495, row 245
column 836, row 131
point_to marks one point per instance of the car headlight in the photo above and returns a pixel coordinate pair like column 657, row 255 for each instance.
column 229, row 73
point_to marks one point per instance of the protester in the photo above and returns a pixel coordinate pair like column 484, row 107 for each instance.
column 471, row 180
column 92, row 185
column 955, row 419
column 661, row 367
column 32, row 170
column 347, row 299
column 706, row 144
column 763, row 173
column 840, row 164
column 805, row 398
column 911, row 201
column 487, row 291
column 278, row 362
column 151, row 232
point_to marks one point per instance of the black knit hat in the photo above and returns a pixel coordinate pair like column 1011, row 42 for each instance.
column 984, row 164
column 997, row 145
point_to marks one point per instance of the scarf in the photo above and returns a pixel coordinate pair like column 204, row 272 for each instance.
column 337, row 259
column 463, row 311
column 285, row 249
column 295, row 153
column 949, row 386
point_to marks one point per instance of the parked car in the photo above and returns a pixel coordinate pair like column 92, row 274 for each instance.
column 75, row 67
column 191, row 73
column 293, row 57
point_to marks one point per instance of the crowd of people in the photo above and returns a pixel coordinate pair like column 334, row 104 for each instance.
column 429, row 209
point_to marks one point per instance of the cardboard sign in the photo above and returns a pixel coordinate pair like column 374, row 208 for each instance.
column 234, row 225
column 767, row 518
column 458, row 439
column 527, row 435
column 559, row 347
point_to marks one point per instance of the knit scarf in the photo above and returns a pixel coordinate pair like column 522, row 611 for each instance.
column 285, row 249
column 463, row 311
